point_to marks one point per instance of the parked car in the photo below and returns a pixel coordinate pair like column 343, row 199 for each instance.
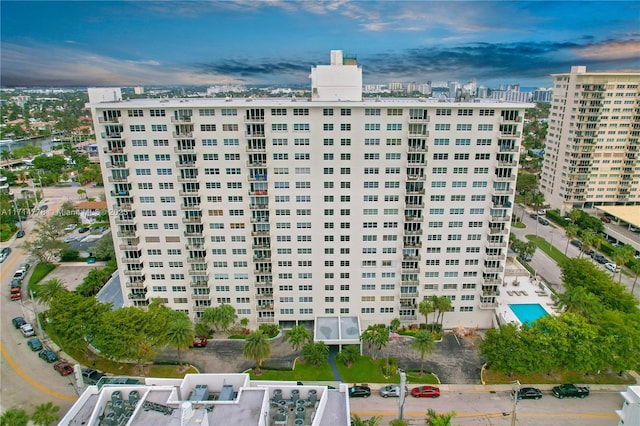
column 48, row 355
column 83, row 230
column 70, row 227
column 533, row 215
column 199, row 342
column 359, row 391
column 4, row 253
column 91, row 376
column 44, row 207
column 425, row 392
column 528, row 393
column 63, row 367
column 570, row 391
column 27, row 330
column 600, row 259
column 542, row 212
column 612, row 267
column 19, row 274
column 15, row 283
column 605, row 219
column 34, row 344
column 390, row 390
column 543, row 221
column 20, row 233
column 70, row 239
column 526, row 257
column 18, row 322
column 576, row 243
column 122, row 381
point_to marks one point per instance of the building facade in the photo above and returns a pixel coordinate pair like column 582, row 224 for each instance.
column 591, row 154
column 289, row 209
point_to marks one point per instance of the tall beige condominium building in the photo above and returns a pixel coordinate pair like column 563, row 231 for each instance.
column 291, row 209
column 592, row 147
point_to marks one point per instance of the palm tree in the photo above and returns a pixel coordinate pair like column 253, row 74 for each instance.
column 425, row 308
column 376, row 337
column 45, row 414
column 622, row 255
column 443, row 304
column 435, row 419
column 348, row 355
column 50, row 290
column 372, row 421
column 424, row 344
column 571, row 231
column 636, row 270
column 316, row 353
column 257, row 348
column 395, row 324
column 297, row 337
column 587, row 241
column 181, row 333
column 537, row 200
column 14, row 417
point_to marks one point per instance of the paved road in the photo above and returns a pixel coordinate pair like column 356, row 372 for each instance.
column 25, row 379
column 486, row 405
column 544, row 265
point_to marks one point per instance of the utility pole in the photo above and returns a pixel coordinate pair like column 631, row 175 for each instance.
column 403, row 393
column 516, row 388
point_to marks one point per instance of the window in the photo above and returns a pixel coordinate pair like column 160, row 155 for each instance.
column 443, row 126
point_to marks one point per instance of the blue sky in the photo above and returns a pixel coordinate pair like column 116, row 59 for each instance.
column 103, row 43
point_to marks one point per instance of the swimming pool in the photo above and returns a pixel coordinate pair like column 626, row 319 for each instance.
column 527, row 312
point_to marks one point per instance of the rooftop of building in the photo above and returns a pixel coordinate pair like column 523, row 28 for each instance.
column 213, row 399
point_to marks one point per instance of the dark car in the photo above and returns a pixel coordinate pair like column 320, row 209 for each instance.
column 44, row 207
column 34, row 344
column 425, row 392
column 48, row 355
column 600, row 259
column 16, row 283
column 357, row 391
column 543, row 221
column 83, row 230
column 528, row 393
column 63, row 367
column 533, row 215
column 605, row 219
column 91, row 376
column 20, row 234
column 576, row 243
column 18, row 322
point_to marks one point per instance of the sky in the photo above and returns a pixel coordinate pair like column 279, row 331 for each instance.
column 276, row 42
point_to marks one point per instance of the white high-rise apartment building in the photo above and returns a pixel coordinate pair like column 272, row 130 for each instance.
column 591, row 154
column 290, row 209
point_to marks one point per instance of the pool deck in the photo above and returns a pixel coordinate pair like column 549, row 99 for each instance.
column 521, row 288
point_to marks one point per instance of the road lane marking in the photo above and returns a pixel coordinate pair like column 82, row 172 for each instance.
column 30, row 380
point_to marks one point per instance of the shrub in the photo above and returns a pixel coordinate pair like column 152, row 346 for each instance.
column 271, row 330
column 69, row 255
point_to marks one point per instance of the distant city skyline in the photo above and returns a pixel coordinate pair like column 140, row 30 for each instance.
column 82, row 43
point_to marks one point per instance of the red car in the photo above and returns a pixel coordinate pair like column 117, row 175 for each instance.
column 200, row 342
column 64, row 368
column 605, row 219
column 425, row 392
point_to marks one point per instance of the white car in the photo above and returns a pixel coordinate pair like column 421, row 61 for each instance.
column 542, row 212
column 27, row 330
column 612, row 267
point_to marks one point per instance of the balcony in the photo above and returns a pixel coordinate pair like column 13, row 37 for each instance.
column 413, row 232
column 510, row 163
column 255, row 163
column 488, row 305
column 496, row 191
column 122, row 207
column 179, row 120
column 260, row 219
column 188, row 179
column 200, row 273
column 264, row 307
column 408, row 317
column 200, row 308
column 418, row 132
column 508, row 148
column 137, row 296
column 409, row 258
column 129, row 243
column 126, row 234
column 137, row 273
column 196, row 260
column 186, row 164
column 196, row 246
column 408, row 294
column 109, row 120
column 495, row 270
column 190, row 207
column 259, row 207
column 199, row 284
column 253, row 119
column 266, row 259
column 193, row 233
column 260, row 234
column 490, row 282
column 258, row 192
column 412, row 245
column 505, row 178
column 254, row 135
column 266, row 320
column 510, row 134
column 418, row 149
column 182, row 135
column 414, row 218
column 415, row 205
column 117, row 165
column 517, row 119
column 189, row 193
column 495, row 244
column 264, row 296
column 200, row 297
column 113, row 150
column 184, row 149
column 412, row 191
column 135, row 284
column 260, row 148
column 130, row 260
column 410, row 282
column 126, row 221
column 189, row 220
column 499, row 219
column 111, row 135
column 417, row 177
column 116, row 179
column 264, row 284
column 421, row 119
column 119, row 193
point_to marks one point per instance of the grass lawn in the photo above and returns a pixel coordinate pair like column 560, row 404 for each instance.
column 518, row 225
column 302, row 372
column 545, row 246
column 364, row 370
column 608, row 377
column 39, row 272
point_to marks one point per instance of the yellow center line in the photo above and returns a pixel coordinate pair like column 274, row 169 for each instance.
column 423, row 414
column 30, row 380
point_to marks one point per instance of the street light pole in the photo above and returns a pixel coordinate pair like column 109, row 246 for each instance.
column 516, row 388
column 403, row 393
